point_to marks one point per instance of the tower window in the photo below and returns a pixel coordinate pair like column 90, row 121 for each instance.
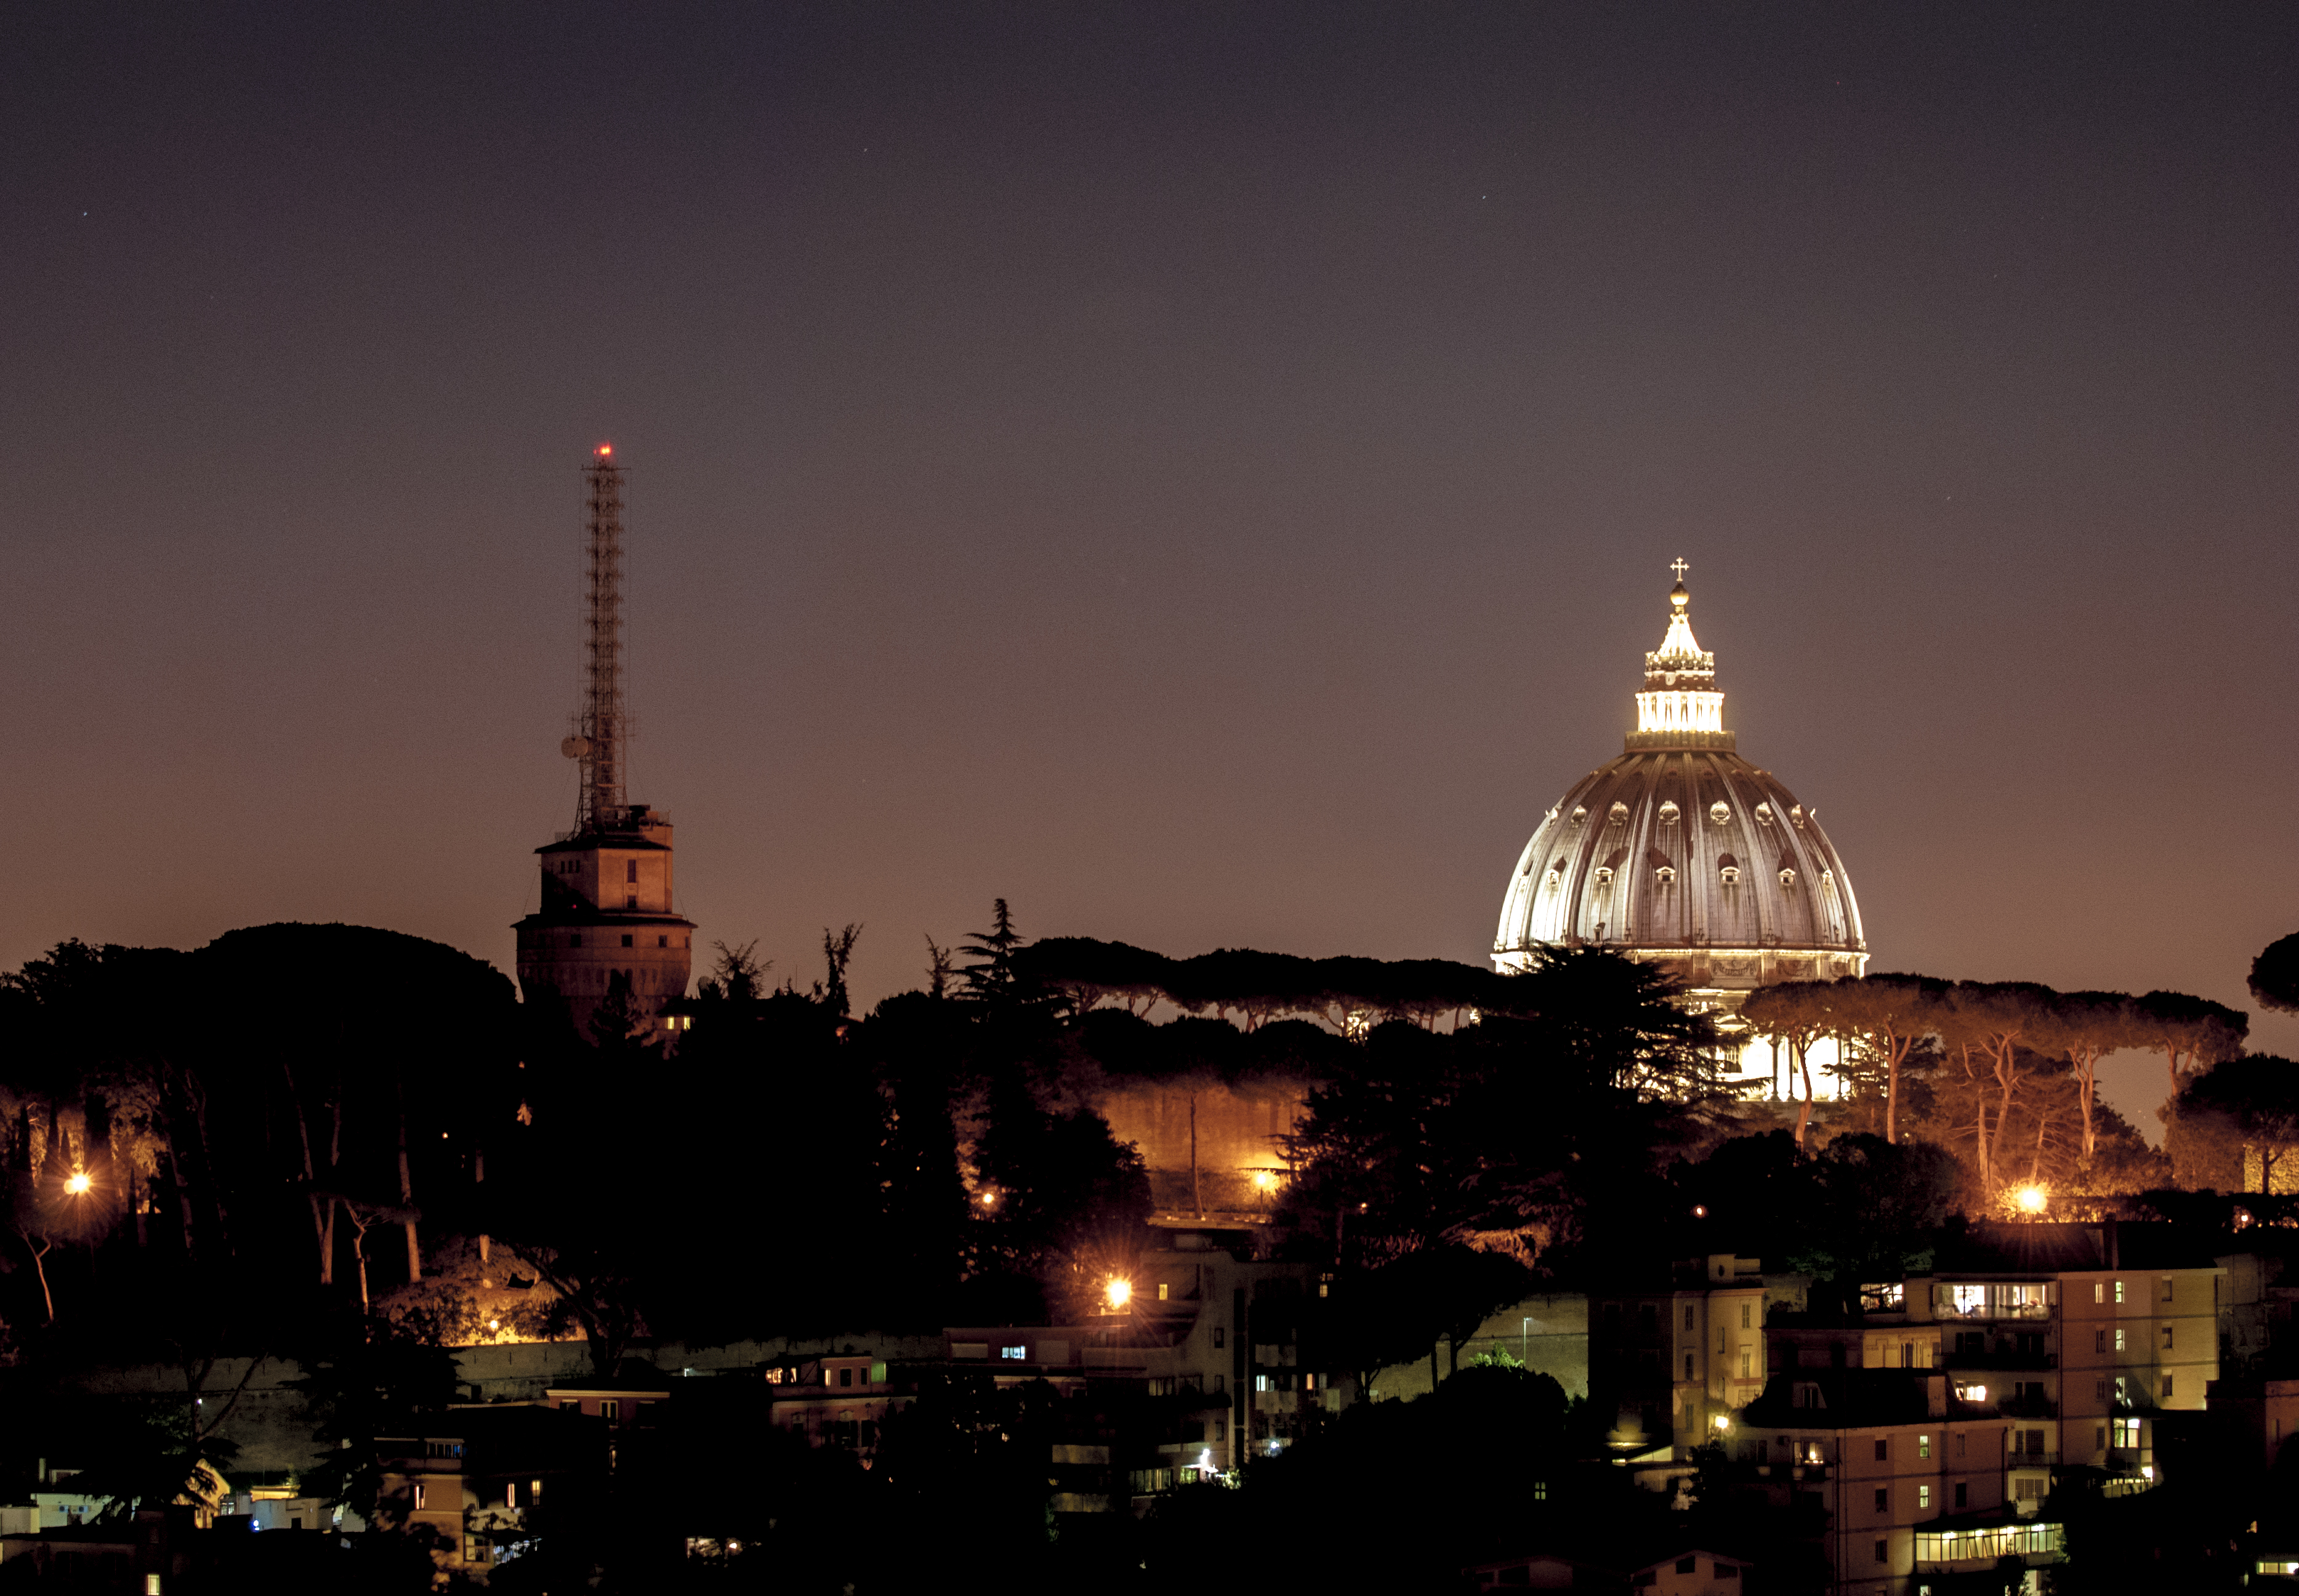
column 626, row 940
column 630, row 870
column 662, row 941
column 575, row 941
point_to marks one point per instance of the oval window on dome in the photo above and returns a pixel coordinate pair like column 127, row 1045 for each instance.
column 1604, row 875
column 1620, row 811
column 1796, row 813
column 1765, row 813
column 1665, row 874
column 1579, row 813
column 1728, row 870
column 1720, row 812
column 1668, row 809
column 1787, row 877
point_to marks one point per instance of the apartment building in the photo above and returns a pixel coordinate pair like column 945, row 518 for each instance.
column 2079, row 1334
column 466, row 1483
column 835, row 1401
column 1902, row 1491
column 1672, row 1360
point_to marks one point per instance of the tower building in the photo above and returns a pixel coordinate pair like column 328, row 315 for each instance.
column 1681, row 853
column 607, row 905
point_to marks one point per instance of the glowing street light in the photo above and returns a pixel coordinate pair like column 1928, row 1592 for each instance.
column 1264, row 1180
column 79, row 1184
column 1118, row 1293
column 2031, row 1199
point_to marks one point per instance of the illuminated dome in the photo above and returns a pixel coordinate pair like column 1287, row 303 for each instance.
column 1679, row 852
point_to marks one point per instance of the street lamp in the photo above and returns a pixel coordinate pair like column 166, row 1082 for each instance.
column 79, row 1184
column 1118, row 1293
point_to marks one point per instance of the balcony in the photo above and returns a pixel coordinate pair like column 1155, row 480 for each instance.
column 1976, row 1549
column 2009, row 1362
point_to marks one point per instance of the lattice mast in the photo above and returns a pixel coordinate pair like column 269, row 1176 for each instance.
column 602, row 726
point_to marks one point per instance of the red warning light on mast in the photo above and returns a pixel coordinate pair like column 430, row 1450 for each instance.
column 605, row 449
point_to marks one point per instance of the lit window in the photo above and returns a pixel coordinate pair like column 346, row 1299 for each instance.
column 2099, row 1290
column 2120, row 1333
column 2118, row 1290
column 1162, row 1289
column 1923, row 1446
column 1923, row 1499
column 1541, row 1491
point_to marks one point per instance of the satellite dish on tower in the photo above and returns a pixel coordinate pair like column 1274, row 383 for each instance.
column 575, row 748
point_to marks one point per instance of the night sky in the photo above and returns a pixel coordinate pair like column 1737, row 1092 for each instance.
column 1203, row 473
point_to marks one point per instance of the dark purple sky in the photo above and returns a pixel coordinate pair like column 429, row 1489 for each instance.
column 1203, row 473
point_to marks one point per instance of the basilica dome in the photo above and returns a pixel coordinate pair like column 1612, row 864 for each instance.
column 1681, row 852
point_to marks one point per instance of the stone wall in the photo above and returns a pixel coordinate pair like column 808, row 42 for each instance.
column 1549, row 1333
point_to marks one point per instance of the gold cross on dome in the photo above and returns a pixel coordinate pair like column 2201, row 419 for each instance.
column 1679, row 567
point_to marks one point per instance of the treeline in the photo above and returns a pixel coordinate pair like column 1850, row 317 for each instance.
column 1348, row 995
column 302, row 1121
column 2007, row 1073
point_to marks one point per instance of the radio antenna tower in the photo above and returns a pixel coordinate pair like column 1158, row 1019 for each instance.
column 600, row 727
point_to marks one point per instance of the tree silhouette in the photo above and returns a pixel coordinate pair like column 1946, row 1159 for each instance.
column 2275, row 974
column 2258, row 1096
